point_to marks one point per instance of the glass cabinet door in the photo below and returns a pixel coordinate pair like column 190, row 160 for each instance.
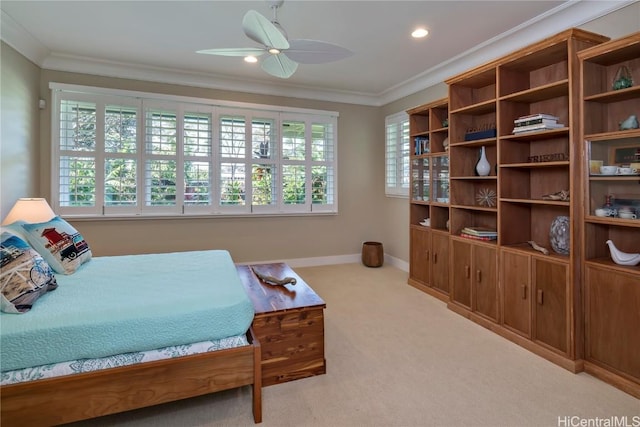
column 441, row 179
column 613, row 178
column 420, row 179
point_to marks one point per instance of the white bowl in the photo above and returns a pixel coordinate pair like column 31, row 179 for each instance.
column 608, row 170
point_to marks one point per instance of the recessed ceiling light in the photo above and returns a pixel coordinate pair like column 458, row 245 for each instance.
column 251, row 59
column 419, row 33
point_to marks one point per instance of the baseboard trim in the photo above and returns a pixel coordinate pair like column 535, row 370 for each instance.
column 330, row 260
column 618, row 381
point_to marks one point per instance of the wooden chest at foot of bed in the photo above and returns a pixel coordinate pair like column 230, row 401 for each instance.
column 289, row 323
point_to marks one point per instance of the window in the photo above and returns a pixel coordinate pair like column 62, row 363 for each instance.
column 120, row 153
column 397, row 155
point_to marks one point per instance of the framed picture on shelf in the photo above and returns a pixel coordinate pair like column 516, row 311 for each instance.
column 625, row 155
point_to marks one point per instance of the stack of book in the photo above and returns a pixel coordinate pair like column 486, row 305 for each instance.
column 479, row 233
column 535, row 123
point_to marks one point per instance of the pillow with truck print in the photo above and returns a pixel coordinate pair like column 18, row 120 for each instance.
column 59, row 243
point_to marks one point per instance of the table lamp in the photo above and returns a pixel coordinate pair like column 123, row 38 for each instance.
column 31, row 210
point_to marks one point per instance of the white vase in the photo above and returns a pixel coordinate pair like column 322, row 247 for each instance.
column 483, row 167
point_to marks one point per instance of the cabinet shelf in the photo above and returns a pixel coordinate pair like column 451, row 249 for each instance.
column 607, row 136
column 474, row 178
column 614, row 95
column 477, row 109
column 535, row 165
column 475, row 208
column 475, row 143
column 616, row 178
column 526, row 248
column 535, row 136
column 540, row 93
column 420, row 133
column 613, row 221
column 537, row 202
column 492, row 243
column 607, row 262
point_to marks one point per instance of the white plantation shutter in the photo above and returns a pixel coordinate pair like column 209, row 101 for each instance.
column 161, row 178
column 397, row 155
column 121, row 153
column 121, row 158
column 197, row 161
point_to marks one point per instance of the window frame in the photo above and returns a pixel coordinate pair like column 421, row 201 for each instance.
column 183, row 106
column 397, row 152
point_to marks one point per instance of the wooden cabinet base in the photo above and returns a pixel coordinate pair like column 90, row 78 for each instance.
column 618, row 381
column 434, row 292
column 289, row 323
column 539, row 349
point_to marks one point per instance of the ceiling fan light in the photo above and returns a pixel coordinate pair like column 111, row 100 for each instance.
column 419, row 33
column 274, row 51
column 252, row 59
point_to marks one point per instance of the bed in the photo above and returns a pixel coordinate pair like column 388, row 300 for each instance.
column 124, row 329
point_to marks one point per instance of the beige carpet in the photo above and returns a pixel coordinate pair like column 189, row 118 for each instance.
column 398, row 357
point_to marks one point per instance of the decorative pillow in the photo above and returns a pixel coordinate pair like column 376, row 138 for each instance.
column 59, row 243
column 15, row 228
column 25, row 275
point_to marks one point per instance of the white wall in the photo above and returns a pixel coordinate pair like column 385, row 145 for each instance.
column 19, row 124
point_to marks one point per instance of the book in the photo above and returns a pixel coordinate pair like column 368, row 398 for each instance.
column 536, row 116
column 518, row 124
column 483, row 238
column 538, row 127
column 480, row 231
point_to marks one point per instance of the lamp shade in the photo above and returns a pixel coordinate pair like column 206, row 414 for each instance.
column 32, row 210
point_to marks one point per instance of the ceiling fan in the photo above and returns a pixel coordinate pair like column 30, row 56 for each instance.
column 284, row 54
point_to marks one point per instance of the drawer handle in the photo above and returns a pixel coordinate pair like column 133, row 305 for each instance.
column 467, row 271
column 435, row 257
column 524, row 291
column 540, row 296
column 478, row 276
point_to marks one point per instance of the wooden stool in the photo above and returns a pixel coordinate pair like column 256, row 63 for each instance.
column 372, row 254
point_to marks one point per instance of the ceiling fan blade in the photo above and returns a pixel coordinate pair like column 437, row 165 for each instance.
column 243, row 51
column 279, row 66
column 261, row 30
column 316, row 52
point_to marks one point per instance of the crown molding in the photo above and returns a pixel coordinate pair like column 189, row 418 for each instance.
column 95, row 66
column 573, row 13
column 18, row 38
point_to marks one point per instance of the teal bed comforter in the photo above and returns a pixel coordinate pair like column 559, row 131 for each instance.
column 121, row 304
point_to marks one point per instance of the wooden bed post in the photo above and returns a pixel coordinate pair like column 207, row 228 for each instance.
column 257, row 378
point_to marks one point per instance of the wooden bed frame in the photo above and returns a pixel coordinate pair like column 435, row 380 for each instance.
column 78, row 397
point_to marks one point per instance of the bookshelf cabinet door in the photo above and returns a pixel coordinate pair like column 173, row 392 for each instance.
column 419, row 268
column 461, row 273
column 440, row 262
column 613, row 317
column 485, row 281
column 551, row 323
column 516, row 282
